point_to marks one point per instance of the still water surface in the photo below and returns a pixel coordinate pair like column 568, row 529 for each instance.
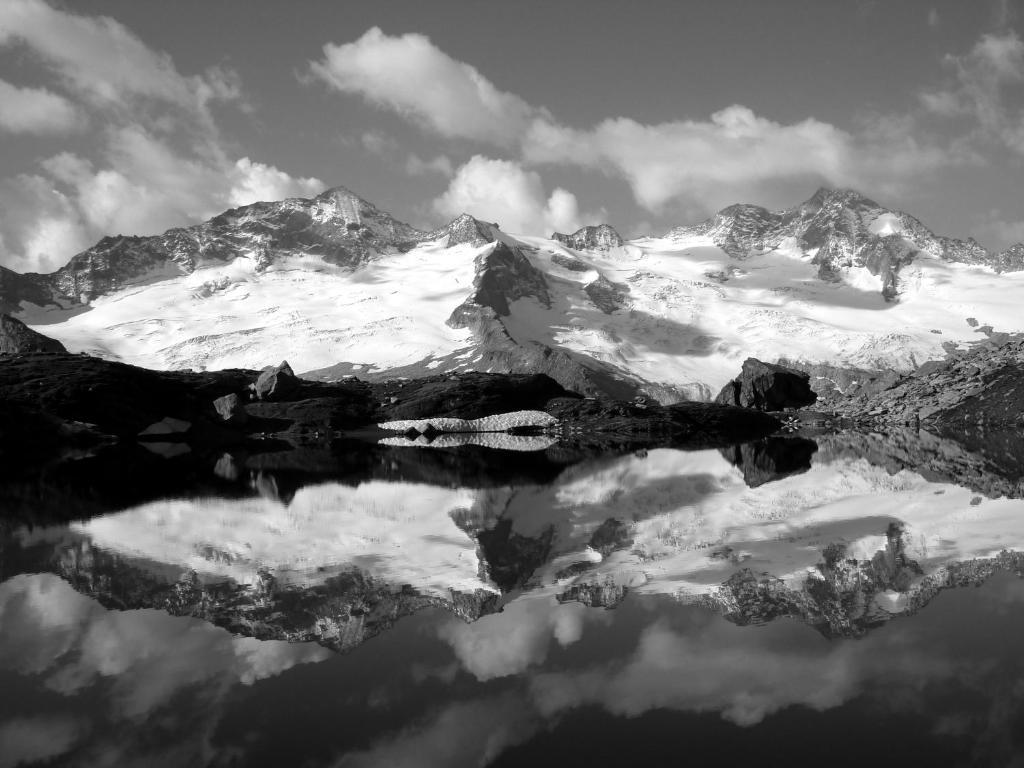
column 850, row 599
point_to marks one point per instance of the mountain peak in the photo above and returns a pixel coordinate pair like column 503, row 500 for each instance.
column 599, row 237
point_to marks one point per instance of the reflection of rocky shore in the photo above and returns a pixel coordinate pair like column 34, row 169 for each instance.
column 991, row 462
column 846, row 598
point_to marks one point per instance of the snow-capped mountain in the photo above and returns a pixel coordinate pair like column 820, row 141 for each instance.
column 339, row 287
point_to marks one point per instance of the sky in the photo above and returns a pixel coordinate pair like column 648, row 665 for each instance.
column 132, row 116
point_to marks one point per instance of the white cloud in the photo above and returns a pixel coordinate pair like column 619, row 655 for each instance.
column 158, row 161
column 733, row 149
column 735, row 155
column 502, row 191
column 511, row 642
column 103, row 62
column 142, row 185
column 36, row 110
column 413, row 77
column 985, row 82
column 253, row 182
column 701, row 164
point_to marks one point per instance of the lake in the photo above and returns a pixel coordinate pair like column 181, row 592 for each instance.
column 850, row 598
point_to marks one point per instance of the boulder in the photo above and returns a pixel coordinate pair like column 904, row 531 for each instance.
column 767, row 387
column 231, row 409
column 276, row 382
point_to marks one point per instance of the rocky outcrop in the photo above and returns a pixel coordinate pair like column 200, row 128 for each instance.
column 606, row 295
column 503, row 274
column 469, row 395
column 466, row 230
column 118, row 399
column 16, row 338
column 337, row 225
column 767, row 387
column 276, row 382
column 36, row 289
column 842, row 230
column 592, row 238
column 982, row 385
column 231, row 409
column 847, row 597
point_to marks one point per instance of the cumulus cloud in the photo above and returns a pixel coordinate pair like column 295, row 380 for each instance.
column 412, row 76
column 661, row 162
column 36, row 110
column 157, row 162
column 697, row 163
column 502, row 191
column 252, row 182
column 511, row 642
column 983, row 81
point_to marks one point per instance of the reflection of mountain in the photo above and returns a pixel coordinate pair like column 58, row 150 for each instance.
column 337, row 564
column 755, row 531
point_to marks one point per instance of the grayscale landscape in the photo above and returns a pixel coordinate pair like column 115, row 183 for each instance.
column 455, row 384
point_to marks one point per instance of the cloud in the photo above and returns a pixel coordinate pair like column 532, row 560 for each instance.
column 141, row 185
column 253, row 182
column 157, row 161
column 502, row 191
column 982, row 81
column 416, row 166
column 410, row 75
column 33, row 740
column 699, row 164
column 377, row 143
column 511, row 642
column 104, row 63
column 36, row 110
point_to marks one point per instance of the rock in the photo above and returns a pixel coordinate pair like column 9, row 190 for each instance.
column 767, row 387
column 17, row 338
column 593, row 238
column 276, row 382
column 231, row 409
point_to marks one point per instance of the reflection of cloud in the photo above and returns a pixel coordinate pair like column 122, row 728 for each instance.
column 146, row 659
column 510, row 642
column 741, row 673
column 30, row 740
column 466, row 733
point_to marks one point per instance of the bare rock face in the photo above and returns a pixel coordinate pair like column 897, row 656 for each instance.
column 602, row 237
column 842, row 230
column 767, row 387
column 276, row 382
column 230, row 409
column 337, row 225
column 17, row 338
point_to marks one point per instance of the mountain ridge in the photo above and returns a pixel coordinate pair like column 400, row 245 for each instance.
column 670, row 318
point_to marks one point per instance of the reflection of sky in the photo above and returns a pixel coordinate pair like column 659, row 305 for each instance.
column 140, row 687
